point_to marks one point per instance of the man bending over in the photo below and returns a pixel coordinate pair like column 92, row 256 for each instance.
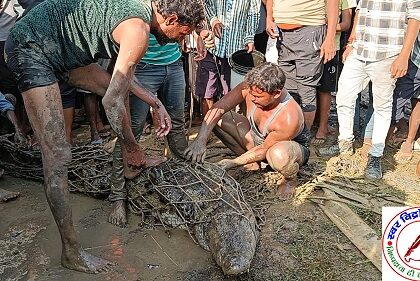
column 63, row 39
column 274, row 129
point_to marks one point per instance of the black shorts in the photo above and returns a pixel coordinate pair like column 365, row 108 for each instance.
column 29, row 66
column 306, row 152
column 406, row 88
column 329, row 78
column 68, row 95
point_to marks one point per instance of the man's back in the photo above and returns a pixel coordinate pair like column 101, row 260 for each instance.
column 74, row 33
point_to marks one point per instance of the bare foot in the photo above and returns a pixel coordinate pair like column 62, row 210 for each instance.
column 8, row 195
column 78, row 259
column 150, row 161
column 286, row 188
column 118, row 214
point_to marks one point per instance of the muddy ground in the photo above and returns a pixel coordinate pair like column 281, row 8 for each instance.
column 298, row 242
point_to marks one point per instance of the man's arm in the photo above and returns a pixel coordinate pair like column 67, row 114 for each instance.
column 270, row 25
column 252, row 21
column 132, row 36
column 161, row 119
column 400, row 65
column 285, row 130
column 349, row 47
column 328, row 48
column 197, row 150
column 345, row 23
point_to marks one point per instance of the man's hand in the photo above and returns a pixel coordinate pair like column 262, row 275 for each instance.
column 217, row 27
column 328, row 49
column 135, row 157
column 399, row 67
column 161, row 120
column 208, row 38
column 196, row 152
column 271, row 29
column 226, row 164
column 250, row 47
column 346, row 52
column 201, row 50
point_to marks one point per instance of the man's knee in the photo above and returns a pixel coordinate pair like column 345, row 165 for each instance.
column 281, row 159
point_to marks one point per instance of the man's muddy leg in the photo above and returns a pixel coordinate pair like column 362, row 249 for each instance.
column 118, row 195
column 285, row 157
column 43, row 105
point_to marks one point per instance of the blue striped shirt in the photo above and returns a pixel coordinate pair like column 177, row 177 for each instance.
column 240, row 19
column 157, row 54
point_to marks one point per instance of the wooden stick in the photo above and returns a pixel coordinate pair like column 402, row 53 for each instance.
column 359, row 233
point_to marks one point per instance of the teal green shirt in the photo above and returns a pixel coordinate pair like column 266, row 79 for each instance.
column 157, row 54
column 75, row 33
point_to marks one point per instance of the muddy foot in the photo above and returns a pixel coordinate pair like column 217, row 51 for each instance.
column 80, row 260
column 151, row 161
column 8, row 195
column 287, row 188
column 118, row 214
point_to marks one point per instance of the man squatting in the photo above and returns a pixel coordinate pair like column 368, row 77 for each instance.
column 274, row 129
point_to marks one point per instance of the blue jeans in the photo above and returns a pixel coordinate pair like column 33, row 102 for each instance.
column 169, row 82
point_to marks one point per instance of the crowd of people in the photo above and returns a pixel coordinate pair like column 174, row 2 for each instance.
column 129, row 53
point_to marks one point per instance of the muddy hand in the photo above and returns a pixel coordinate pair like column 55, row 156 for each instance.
column 196, row 152
column 136, row 158
column 161, row 121
column 226, row 164
column 201, row 50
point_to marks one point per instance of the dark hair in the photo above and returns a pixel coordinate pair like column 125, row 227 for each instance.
column 267, row 77
column 189, row 12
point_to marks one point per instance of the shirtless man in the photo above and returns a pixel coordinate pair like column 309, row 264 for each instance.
column 274, row 129
column 64, row 38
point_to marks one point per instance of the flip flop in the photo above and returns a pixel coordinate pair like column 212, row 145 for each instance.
column 97, row 142
column 318, row 140
column 416, row 146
